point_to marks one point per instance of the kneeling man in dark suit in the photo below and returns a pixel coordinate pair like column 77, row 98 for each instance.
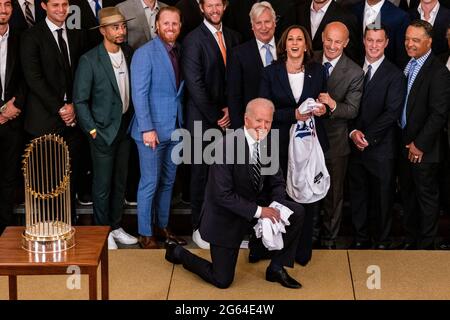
column 237, row 192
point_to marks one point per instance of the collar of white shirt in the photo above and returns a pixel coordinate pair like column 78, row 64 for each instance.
column 375, row 65
column 333, row 62
column 22, row 2
column 433, row 12
column 6, row 35
column 212, row 28
column 53, row 27
column 323, row 9
column 261, row 44
column 250, row 140
column 156, row 8
column 376, row 7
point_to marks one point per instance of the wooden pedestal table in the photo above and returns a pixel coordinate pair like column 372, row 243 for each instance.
column 91, row 248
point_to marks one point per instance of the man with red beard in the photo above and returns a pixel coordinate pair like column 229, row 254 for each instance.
column 102, row 102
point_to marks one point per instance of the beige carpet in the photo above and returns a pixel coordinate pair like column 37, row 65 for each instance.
column 133, row 274
column 144, row 274
column 406, row 275
column 327, row 277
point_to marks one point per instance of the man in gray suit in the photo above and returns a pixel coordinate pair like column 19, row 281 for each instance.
column 344, row 84
column 143, row 28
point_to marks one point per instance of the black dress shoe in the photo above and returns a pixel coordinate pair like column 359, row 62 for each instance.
column 381, row 247
column 283, row 278
column 170, row 252
column 444, row 246
column 252, row 258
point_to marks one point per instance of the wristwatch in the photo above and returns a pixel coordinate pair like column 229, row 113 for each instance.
column 3, row 108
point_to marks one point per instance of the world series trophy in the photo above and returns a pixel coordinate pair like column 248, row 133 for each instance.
column 46, row 170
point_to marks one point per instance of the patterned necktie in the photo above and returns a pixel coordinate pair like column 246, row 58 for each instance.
column 269, row 56
column 222, row 47
column 256, row 167
column 28, row 15
column 412, row 67
column 327, row 66
column 367, row 76
column 97, row 8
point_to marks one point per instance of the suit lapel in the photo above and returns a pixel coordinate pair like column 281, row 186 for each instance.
column 142, row 19
column 306, row 85
column 213, row 43
column 72, row 43
column 166, row 61
column 10, row 58
column 284, row 81
column 257, row 55
column 107, row 66
column 52, row 42
column 376, row 78
column 337, row 73
column 416, row 85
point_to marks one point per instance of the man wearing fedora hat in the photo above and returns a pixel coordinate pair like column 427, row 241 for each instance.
column 104, row 110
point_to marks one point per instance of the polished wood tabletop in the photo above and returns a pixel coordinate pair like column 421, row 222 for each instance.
column 91, row 249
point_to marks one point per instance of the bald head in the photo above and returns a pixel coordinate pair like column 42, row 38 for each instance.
column 335, row 38
column 258, row 117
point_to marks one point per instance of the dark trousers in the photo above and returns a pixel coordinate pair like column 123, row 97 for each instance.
column 11, row 151
column 110, row 166
column 220, row 272
column 420, row 194
column 134, row 174
column 371, row 196
column 304, row 249
column 334, row 200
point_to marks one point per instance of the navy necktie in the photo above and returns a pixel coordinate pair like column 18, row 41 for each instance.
column 327, row 66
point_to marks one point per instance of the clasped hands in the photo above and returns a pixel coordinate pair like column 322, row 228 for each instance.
column 67, row 114
column 11, row 112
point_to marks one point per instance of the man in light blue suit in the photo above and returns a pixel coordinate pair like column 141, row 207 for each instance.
column 157, row 90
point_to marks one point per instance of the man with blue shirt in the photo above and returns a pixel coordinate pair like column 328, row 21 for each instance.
column 422, row 146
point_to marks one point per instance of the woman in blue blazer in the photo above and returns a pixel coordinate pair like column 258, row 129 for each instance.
column 287, row 83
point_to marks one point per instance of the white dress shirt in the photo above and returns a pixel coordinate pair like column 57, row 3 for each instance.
column 448, row 64
column 251, row 143
column 433, row 13
column 92, row 5
column 3, row 57
column 262, row 50
column 371, row 13
column 31, row 6
column 214, row 32
column 119, row 65
column 316, row 17
column 150, row 14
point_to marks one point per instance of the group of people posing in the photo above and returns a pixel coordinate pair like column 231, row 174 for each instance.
column 381, row 100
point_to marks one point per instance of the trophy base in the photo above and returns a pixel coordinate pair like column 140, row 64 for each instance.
column 48, row 245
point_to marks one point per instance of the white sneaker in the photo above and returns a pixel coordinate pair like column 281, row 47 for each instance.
column 123, row 237
column 196, row 237
column 111, row 243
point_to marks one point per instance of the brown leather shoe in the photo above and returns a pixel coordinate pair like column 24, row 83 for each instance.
column 148, row 242
column 165, row 234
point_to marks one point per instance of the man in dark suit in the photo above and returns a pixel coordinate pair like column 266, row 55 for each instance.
column 104, row 110
column 191, row 16
column 23, row 18
column 248, row 60
column 205, row 52
column 439, row 17
column 12, row 99
column 422, row 145
column 344, row 90
column 394, row 19
column 316, row 14
column 371, row 165
column 50, row 52
column 236, row 193
column 236, row 16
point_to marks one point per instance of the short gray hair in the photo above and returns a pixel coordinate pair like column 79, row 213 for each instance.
column 258, row 8
column 258, row 103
